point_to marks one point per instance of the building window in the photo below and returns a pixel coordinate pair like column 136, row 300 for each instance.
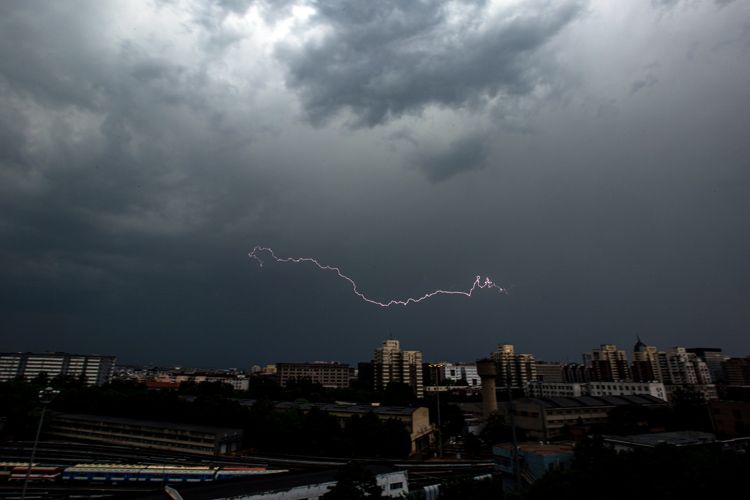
column 397, row 486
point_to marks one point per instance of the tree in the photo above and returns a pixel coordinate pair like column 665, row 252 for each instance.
column 399, row 394
column 690, row 410
column 497, row 431
column 323, row 434
column 354, row 482
column 396, row 442
column 665, row 471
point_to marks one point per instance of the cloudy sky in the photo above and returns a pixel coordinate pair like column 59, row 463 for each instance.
column 592, row 157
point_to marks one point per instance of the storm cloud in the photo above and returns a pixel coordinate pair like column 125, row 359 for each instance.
column 592, row 156
column 381, row 60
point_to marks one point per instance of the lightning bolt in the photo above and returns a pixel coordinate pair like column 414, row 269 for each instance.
column 487, row 283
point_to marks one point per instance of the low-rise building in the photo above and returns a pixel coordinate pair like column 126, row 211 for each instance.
column 328, row 374
column 573, row 390
column 165, row 378
column 556, row 390
column 168, row 436
column 655, row 389
column 545, row 418
column 415, row 420
column 239, row 382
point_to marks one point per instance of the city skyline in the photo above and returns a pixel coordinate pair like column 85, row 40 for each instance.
column 631, row 354
column 589, row 157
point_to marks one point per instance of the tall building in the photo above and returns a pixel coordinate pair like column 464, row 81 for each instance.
column 575, row 373
column 549, row 371
column 713, row 357
column 514, row 370
column 92, row 370
column 607, row 364
column 645, row 367
column 679, row 367
column 391, row 364
column 737, row 371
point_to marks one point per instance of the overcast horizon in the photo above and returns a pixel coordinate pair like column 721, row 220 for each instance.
column 590, row 157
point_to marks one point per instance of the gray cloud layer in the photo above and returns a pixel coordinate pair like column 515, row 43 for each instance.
column 381, row 60
column 145, row 147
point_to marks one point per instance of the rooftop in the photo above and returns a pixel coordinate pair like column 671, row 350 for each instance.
column 595, row 401
column 540, row 448
column 681, row 438
column 148, row 423
column 341, row 408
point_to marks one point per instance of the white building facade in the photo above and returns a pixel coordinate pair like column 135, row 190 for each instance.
column 91, row 369
column 573, row 390
column 458, row 372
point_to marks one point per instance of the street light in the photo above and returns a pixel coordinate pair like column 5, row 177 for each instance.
column 437, row 394
column 516, row 469
column 46, row 396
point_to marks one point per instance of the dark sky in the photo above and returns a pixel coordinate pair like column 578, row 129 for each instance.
column 594, row 157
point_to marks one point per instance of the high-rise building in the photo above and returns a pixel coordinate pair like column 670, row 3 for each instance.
column 575, row 373
column 713, row 357
column 679, row 367
column 549, row 372
column 607, row 364
column 514, row 370
column 391, row 364
column 91, row 369
column 737, row 371
column 645, row 367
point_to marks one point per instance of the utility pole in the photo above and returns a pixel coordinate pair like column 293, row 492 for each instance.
column 437, row 367
column 45, row 397
column 514, row 439
column 512, row 421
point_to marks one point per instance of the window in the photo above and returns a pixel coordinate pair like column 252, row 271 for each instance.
column 397, row 486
